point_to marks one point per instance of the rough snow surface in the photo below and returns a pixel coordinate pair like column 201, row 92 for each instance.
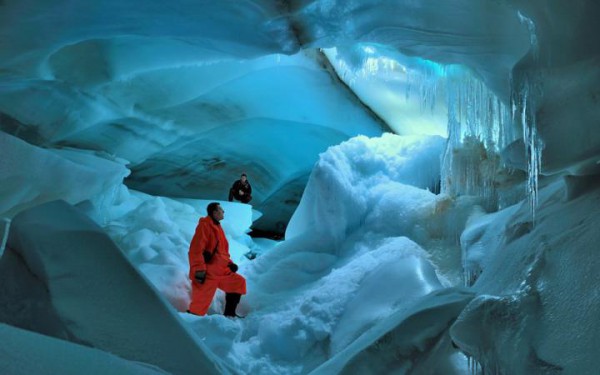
column 390, row 243
column 155, row 234
column 362, row 175
column 364, row 246
column 361, row 282
column 369, row 248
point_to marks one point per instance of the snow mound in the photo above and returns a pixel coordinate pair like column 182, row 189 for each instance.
column 352, row 178
column 364, row 245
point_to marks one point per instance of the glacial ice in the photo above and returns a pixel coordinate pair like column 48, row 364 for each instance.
column 192, row 93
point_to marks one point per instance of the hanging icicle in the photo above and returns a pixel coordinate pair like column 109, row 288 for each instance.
column 478, row 128
column 527, row 92
column 5, row 222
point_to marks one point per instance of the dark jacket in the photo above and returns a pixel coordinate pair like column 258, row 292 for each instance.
column 237, row 186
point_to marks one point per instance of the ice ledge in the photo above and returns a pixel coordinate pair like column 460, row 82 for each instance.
column 98, row 296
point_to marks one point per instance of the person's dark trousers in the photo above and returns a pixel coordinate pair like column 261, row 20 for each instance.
column 237, row 197
column 231, row 302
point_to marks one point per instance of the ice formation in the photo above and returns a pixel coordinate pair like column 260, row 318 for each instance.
column 177, row 99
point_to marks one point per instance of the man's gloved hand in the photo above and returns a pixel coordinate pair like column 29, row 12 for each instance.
column 233, row 267
column 200, row 276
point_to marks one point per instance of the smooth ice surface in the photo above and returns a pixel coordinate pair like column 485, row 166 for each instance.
column 23, row 353
column 95, row 294
column 486, row 36
column 410, row 340
column 189, row 126
column 33, row 175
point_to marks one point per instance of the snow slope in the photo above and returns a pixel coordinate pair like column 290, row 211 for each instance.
column 364, row 246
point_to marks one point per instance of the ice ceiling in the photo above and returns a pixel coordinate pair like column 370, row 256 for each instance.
column 192, row 92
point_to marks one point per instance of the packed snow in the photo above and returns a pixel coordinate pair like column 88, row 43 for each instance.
column 369, row 267
column 155, row 233
column 329, row 283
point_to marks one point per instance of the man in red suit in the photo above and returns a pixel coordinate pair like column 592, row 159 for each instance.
column 211, row 266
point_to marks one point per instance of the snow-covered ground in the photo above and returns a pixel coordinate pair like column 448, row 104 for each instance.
column 368, row 280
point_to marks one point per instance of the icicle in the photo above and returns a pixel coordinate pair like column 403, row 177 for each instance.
column 474, row 368
column 533, row 146
column 527, row 118
column 479, row 126
column 524, row 104
column 469, row 365
column 6, row 228
column 476, row 122
column 533, row 39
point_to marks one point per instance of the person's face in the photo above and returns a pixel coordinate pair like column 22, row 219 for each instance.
column 219, row 213
column 244, row 179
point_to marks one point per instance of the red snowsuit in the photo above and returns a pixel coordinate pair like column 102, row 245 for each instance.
column 218, row 275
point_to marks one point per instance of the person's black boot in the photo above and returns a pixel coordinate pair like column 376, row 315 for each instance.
column 231, row 302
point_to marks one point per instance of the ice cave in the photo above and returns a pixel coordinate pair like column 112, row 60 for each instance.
column 425, row 186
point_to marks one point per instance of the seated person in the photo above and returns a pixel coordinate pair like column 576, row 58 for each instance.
column 241, row 190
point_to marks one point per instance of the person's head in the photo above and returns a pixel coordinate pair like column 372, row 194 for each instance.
column 215, row 211
column 243, row 177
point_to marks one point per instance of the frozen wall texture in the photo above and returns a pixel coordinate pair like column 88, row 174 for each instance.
column 538, row 301
column 179, row 98
column 194, row 93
